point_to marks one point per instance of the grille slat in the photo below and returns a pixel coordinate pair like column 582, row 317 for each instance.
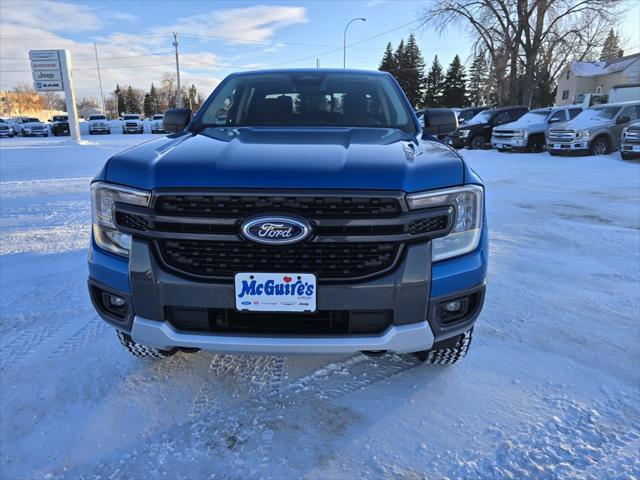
column 326, row 260
column 311, row 206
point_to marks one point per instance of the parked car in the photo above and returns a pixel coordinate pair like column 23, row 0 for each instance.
column 335, row 228
column 156, row 123
column 476, row 133
column 99, row 124
column 596, row 130
column 6, row 130
column 132, row 123
column 527, row 134
column 60, row 125
column 630, row 142
column 29, row 127
column 467, row 113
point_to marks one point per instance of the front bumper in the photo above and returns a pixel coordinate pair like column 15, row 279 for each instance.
column 99, row 129
column 412, row 291
column 398, row 338
column 35, row 133
column 630, row 148
column 457, row 142
column 513, row 143
column 573, row 146
column 133, row 129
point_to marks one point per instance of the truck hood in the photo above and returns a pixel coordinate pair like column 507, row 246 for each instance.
column 33, row 124
column 530, row 125
column 320, row 158
column 582, row 123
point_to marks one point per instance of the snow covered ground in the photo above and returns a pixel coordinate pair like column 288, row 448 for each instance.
column 549, row 390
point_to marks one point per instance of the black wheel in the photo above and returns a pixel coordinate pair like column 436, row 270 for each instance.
column 553, row 153
column 138, row 350
column 600, row 146
column 477, row 142
column 536, row 144
column 447, row 352
column 501, row 149
column 90, row 132
column 23, row 134
column 46, row 134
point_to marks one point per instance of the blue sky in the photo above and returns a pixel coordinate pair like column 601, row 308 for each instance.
column 217, row 37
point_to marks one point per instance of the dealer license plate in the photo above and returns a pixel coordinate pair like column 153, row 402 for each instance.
column 636, row 148
column 557, row 145
column 276, row 292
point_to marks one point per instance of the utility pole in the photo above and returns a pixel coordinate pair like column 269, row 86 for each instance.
column 344, row 41
column 95, row 48
column 175, row 44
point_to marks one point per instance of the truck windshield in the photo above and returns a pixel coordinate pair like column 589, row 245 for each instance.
column 97, row 117
column 131, row 117
column 31, row 120
column 599, row 113
column 308, row 99
column 482, row 117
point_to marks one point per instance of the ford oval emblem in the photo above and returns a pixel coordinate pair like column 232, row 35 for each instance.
column 280, row 230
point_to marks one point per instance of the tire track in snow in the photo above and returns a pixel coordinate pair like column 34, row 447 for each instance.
column 26, row 343
column 81, row 338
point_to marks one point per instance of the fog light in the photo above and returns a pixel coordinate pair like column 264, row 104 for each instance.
column 116, row 301
column 453, row 307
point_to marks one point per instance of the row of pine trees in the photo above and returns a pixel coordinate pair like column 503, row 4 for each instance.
column 436, row 88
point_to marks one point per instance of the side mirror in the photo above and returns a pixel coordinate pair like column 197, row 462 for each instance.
column 624, row 119
column 176, row 120
column 439, row 121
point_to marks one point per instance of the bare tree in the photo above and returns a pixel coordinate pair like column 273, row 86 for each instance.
column 516, row 34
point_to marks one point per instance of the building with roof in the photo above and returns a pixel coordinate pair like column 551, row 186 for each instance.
column 597, row 77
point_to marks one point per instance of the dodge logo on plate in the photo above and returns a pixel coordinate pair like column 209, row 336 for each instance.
column 275, row 230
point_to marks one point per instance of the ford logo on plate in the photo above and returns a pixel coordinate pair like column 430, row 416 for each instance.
column 275, row 230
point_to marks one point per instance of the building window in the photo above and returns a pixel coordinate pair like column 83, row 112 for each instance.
column 599, row 90
column 565, row 94
column 568, row 74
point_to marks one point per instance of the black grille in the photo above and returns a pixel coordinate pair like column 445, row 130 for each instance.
column 310, row 206
column 129, row 220
column 323, row 322
column 425, row 225
column 326, row 260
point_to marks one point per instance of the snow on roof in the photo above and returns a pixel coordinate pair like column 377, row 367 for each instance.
column 593, row 69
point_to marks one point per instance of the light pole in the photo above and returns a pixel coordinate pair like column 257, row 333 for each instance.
column 344, row 41
column 179, row 97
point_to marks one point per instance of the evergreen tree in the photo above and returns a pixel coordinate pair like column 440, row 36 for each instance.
column 192, row 97
column 434, row 85
column 478, row 81
column 120, row 103
column 454, row 93
column 147, row 107
column 399, row 59
column 611, row 47
column 414, row 72
column 388, row 63
column 154, row 99
column 132, row 100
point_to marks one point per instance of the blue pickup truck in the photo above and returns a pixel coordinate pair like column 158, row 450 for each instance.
column 299, row 211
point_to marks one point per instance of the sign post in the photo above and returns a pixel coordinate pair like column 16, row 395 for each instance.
column 51, row 71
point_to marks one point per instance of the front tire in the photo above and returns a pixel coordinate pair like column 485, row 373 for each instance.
column 536, row 144
column 447, row 352
column 142, row 351
column 477, row 143
column 600, row 146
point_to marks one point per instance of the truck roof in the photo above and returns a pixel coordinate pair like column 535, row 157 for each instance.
column 311, row 71
column 618, row 104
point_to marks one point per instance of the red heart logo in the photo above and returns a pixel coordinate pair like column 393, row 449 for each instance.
column 287, row 279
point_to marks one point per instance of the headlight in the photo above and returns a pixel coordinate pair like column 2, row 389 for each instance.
column 519, row 133
column 463, row 133
column 105, row 233
column 583, row 133
column 468, row 204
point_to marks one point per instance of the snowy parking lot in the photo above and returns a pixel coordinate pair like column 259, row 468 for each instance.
column 550, row 388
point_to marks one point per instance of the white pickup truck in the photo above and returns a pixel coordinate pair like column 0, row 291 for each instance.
column 132, row 123
column 156, row 123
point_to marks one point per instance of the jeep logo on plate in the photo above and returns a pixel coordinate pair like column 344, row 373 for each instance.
column 275, row 230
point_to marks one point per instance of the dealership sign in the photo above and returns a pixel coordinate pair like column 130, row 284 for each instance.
column 46, row 71
column 41, row 75
column 51, row 72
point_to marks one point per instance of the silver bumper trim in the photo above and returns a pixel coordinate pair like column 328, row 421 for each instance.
column 398, row 338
